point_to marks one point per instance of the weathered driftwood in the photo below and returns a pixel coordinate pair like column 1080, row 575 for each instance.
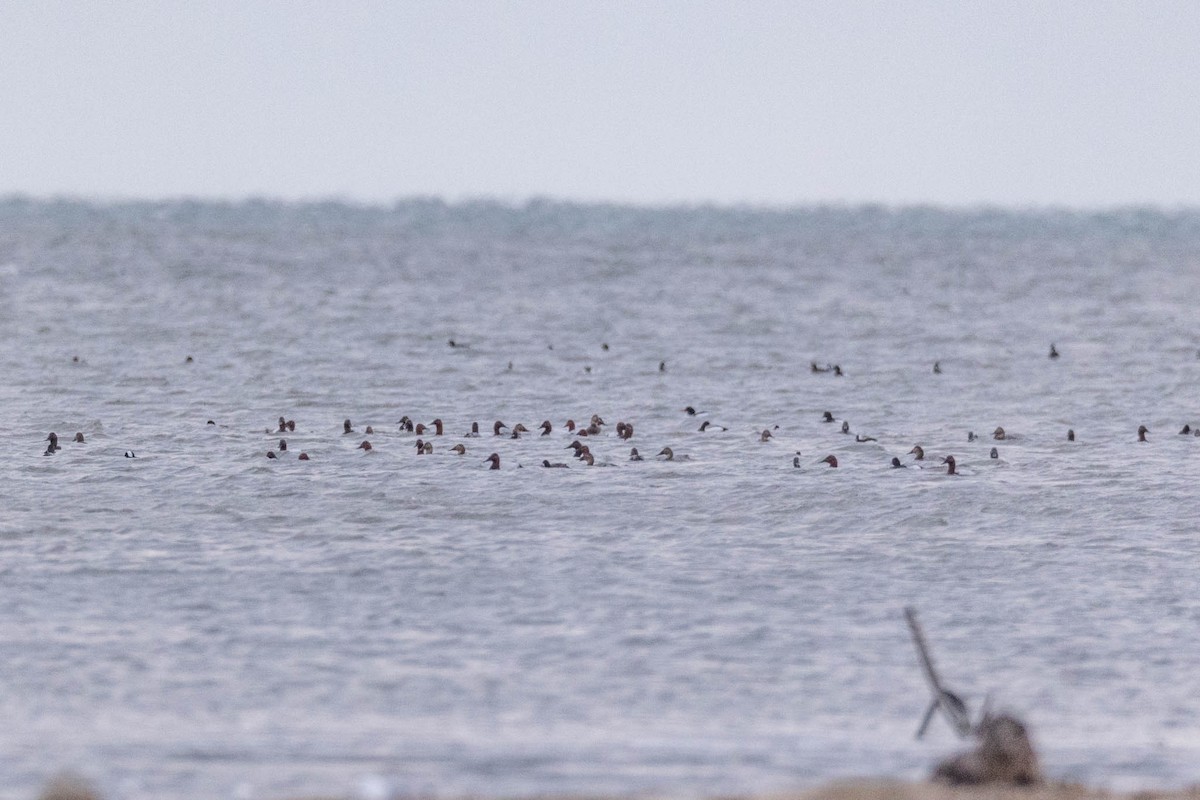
column 953, row 707
column 1004, row 755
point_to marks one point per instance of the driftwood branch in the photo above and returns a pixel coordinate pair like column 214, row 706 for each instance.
column 953, row 708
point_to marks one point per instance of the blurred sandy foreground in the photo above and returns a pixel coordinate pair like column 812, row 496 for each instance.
column 846, row 790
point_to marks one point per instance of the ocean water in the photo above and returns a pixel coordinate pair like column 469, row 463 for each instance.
column 203, row 622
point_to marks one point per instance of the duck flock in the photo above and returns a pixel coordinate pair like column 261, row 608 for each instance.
column 429, row 439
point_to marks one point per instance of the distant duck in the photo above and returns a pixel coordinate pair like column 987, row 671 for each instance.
column 495, row 459
column 576, row 445
column 496, row 427
column 369, row 431
column 937, row 368
column 858, row 438
column 282, row 425
column 1186, row 430
column 971, row 436
column 796, row 462
column 670, row 455
column 569, row 425
column 130, row 454
column 438, row 427
column 282, row 445
column 303, row 457
column 624, row 431
column 271, row 454
column 634, row 455
column 918, row 452
column 706, row 425
column 546, row 427
column 845, row 427
column 1142, row 431
column 78, row 438
column 291, row 426
column 346, row 428
column 474, row 432
column 459, row 449
column 837, row 370
column 828, row 417
column 691, row 412
column 54, row 445
column 994, row 454
column 1053, row 351
column 1070, row 434
column 662, row 366
column 420, row 429
column 420, row 445
column 427, row 450
column 765, row 436
column 364, row 446
column 897, row 465
column 949, row 462
column 831, row 460
column 546, row 463
column 999, row 434
column 815, row 368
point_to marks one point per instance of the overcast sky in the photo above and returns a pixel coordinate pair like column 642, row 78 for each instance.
column 954, row 102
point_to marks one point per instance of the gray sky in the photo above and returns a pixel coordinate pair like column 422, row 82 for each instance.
column 955, row 102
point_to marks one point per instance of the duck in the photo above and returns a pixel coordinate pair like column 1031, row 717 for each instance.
column 690, row 411
column 364, row 446
column 495, row 459
column 54, row 445
column 271, row 454
column 765, row 436
column 420, row 445
column 346, row 428
column 634, row 455
column 459, row 449
column 831, row 460
column 282, row 445
column 828, row 417
column 78, row 437
column 438, row 427
column 427, row 450
column 303, row 457
column 1142, row 431
column 994, row 454
column 546, row 463
column 813, row 366
column 999, row 434
column 706, row 425
column 473, row 433
column 971, row 436
column 897, row 465
column 626, row 433
column 369, row 431
column 420, row 429
column 546, row 427
column 1053, row 351
column 497, row 426
column 949, row 462
column 937, row 368
column 1186, row 430
column 670, row 455
column 291, row 426
column 918, row 452
column 130, row 454
column 282, row 425
column 796, row 461
column 576, row 445
column 1070, row 434
column 858, row 438
column 845, row 426
column 570, row 426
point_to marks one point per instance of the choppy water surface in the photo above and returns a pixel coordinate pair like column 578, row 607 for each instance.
column 203, row 622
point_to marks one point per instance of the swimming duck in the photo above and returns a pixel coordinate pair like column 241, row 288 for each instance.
column 999, row 434
column 918, row 452
column 438, row 427
column 427, row 450
column 459, row 448
column 546, row 463
column 271, row 454
column 282, row 445
column 937, row 368
column 845, row 427
column 634, row 455
column 546, row 427
column 949, row 462
column 858, row 438
column 670, row 455
column 1070, row 434
column 282, row 425
column 831, row 460
column 495, row 459
column 994, row 454
column 828, row 417
column 78, row 437
column 364, row 446
column 971, row 436
column 897, row 465
column 496, row 428
column 1053, row 351
column 369, row 431
column 1186, row 430
column 765, row 436
column 691, row 412
column 1142, row 431
column 474, row 432
column 346, row 428
column 54, row 445
column 303, row 457
column 706, row 425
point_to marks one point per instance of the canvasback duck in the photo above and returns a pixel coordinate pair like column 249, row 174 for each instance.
column 427, row 450
column 837, row 370
column 918, row 452
column 624, row 431
column 460, row 449
column 346, row 428
column 831, row 460
column 282, row 425
column 369, row 431
column 1142, row 431
column 291, row 423
column 130, row 454
column 474, row 432
column 495, row 459
column 845, row 427
column 999, row 434
column 670, row 455
column 796, row 462
column 496, row 427
column 858, row 438
column 765, row 436
column 897, row 465
column 634, row 455
column 576, row 446
column 271, row 454
column 1185, row 430
column 303, row 457
column 662, row 366
column 691, row 412
column 937, row 368
column 78, row 437
column 364, row 446
column 583, row 451
column 518, row 429
column 828, row 417
column 994, row 454
column 282, row 445
column 706, row 425
column 1070, row 434
column 438, row 427
column 570, row 426
column 420, row 429
column 546, row 463
column 1053, row 351
column 54, row 445
column 420, row 445
column 949, row 462
column 546, row 427
column 403, row 422
column 971, row 436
